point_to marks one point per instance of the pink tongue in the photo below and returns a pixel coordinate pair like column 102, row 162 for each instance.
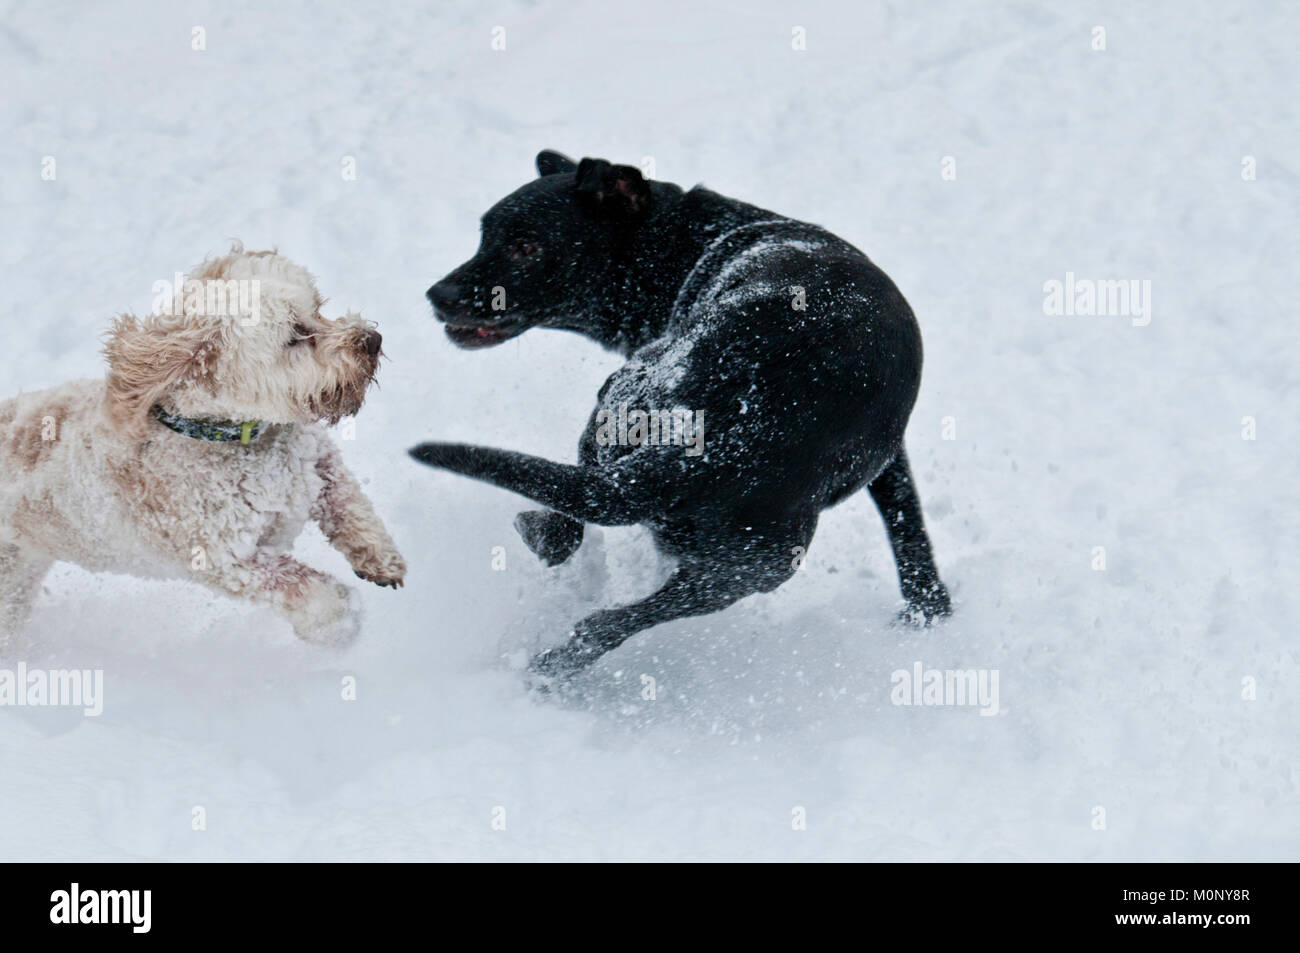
column 483, row 333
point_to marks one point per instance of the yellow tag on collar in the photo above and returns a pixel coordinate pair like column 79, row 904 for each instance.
column 246, row 431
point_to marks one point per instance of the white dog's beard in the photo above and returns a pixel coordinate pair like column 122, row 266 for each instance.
column 342, row 400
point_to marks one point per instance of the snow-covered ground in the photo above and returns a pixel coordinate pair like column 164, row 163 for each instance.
column 1120, row 689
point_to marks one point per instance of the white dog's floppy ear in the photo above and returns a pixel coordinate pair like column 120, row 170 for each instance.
column 146, row 359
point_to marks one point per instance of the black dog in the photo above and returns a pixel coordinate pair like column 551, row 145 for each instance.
column 786, row 345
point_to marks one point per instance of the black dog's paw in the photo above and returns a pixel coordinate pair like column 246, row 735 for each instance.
column 553, row 537
column 555, row 665
column 926, row 606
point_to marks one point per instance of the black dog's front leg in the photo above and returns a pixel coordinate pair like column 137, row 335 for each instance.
column 585, row 494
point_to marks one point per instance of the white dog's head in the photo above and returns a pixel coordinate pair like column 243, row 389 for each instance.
column 243, row 339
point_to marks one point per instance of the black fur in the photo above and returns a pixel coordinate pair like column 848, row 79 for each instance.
column 801, row 406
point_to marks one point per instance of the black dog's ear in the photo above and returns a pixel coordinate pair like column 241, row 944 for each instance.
column 613, row 191
column 550, row 162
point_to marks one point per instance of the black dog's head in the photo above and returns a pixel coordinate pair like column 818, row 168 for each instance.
column 548, row 253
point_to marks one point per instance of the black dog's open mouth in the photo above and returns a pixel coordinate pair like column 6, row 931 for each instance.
column 469, row 336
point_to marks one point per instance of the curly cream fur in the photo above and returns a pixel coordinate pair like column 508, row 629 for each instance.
column 88, row 475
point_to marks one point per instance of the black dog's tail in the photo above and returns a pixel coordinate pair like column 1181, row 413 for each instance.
column 588, row 494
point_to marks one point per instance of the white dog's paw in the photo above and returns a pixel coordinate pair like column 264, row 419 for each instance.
column 331, row 616
column 383, row 568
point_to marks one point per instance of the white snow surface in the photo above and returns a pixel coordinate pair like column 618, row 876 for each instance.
column 1120, row 689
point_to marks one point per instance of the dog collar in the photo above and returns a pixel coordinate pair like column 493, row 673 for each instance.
column 216, row 431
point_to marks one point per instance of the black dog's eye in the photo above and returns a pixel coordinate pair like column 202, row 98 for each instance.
column 301, row 335
column 524, row 249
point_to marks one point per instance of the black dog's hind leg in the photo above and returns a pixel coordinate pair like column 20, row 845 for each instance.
column 694, row 588
column 895, row 495
column 608, row 497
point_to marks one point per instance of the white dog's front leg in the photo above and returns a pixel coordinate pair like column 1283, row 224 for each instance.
column 349, row 522
column 320, row 608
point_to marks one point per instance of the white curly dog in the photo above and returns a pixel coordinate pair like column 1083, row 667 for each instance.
column 203, row 453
